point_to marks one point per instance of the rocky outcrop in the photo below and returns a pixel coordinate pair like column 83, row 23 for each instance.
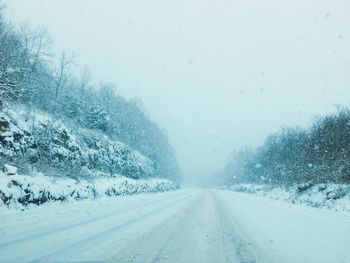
column 44, row 144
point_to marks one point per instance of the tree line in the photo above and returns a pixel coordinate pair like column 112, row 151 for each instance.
column 318, row 154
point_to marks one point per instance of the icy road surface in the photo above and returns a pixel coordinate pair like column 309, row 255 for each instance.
column 190, row 225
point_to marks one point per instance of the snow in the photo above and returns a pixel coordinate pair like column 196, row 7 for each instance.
column 10, row 170
column 6, row 134
column 49, row 145
column 283, row 232
column 18, row 191
column 327, row 195
column 258, row 166
column 189, row 225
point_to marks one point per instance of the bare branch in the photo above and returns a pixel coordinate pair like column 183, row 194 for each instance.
column 64, row 66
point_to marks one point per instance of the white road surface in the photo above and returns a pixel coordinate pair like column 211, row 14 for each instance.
column 190, row 225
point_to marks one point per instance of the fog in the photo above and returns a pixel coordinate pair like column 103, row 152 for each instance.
column 217, row 75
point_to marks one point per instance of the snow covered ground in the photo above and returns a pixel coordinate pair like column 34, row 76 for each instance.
column 189, row 225
column 19, row 191
column 330, row 195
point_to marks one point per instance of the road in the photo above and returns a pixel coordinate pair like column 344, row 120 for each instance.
column 190, row 225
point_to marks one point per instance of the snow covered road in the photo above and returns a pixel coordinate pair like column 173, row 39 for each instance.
column 190, row 225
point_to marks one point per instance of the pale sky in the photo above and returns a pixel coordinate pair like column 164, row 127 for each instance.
column 217, row 75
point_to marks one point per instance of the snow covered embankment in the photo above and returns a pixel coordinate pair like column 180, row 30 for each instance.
column 45, row 144
column 331, row 196
column 18, row 191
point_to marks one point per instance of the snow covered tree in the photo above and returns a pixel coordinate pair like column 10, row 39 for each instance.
column 96, row 118
column 320, row 154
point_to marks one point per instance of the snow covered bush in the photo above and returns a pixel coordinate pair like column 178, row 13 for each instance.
column 22, row 190
column 327, row 195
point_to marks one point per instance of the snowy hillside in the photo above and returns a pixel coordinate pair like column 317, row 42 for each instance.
column 78, row 164
column 62, row 136
column 42, row 144
column 56, row 119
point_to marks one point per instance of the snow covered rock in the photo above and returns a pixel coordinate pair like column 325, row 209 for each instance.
column 18, row 191
column 9, row 169
column 45, row 144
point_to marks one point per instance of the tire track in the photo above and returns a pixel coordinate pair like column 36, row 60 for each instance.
column 98, row 238
column 55, row 230
column 246, row 250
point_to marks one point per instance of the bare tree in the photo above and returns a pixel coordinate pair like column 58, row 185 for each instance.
column 85, row 82
column 61, row 75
